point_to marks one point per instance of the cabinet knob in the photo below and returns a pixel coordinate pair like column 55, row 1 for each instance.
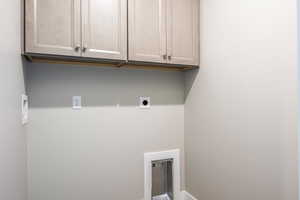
column 165, row 56
column 169, row 57
column 77, row 47
column 84, row 49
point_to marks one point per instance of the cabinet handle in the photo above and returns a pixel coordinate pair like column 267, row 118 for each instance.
column 165, row 56
column 170, row 57
column 84, row 48
column 77, row 47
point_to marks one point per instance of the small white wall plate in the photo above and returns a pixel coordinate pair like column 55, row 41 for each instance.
column 24, row 109
column 76, row 102
column 145, row 102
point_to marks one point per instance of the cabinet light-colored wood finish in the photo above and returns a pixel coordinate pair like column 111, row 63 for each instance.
column 183, row 32
column 160, row 32
column 104, row 33
column 53, row 27
column 147, row 30
column 164, row 31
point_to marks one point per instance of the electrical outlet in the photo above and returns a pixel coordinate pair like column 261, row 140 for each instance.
column 145, row 102
column 77, row 102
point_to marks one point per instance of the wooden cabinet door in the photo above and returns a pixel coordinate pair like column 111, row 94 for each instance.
column 147, row 30
column 53, row 27
column 183, row 32
column 104, row 33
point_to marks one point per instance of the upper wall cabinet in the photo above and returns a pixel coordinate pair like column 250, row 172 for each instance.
column 183, row 32
column 104, row 33
column 53, row 27
column 164, row 31
column 160, row 32
column 147, row 30
column 89, row 28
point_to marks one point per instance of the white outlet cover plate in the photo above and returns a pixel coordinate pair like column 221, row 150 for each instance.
column 24, row 109
column 76, row 102
column 143, row 100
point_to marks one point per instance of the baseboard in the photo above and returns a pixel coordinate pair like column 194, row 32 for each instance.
column 187, row 196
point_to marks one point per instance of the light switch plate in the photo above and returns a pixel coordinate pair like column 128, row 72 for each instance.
column 24, row 109
column 145, row 102
column 77, row 102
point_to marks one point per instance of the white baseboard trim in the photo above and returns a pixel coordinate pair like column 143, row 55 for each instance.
column 187, row 196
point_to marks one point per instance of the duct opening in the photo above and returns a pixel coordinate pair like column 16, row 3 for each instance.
column 162, row 180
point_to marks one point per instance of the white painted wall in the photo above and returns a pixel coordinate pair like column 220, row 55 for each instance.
column 241, row 108
column 298, row 6
column 12, row 136
column 98, row 152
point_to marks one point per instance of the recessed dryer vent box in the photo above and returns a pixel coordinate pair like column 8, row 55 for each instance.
column 162, row 180
column 162, row 175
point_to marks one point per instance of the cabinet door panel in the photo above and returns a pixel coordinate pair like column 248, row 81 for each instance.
column 147, row 30
column 53, row 27
column 183, row 32
column 105, row 29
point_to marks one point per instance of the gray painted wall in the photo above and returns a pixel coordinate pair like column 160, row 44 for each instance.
column 12, row 136
column 97, row 152
column 241, row 107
